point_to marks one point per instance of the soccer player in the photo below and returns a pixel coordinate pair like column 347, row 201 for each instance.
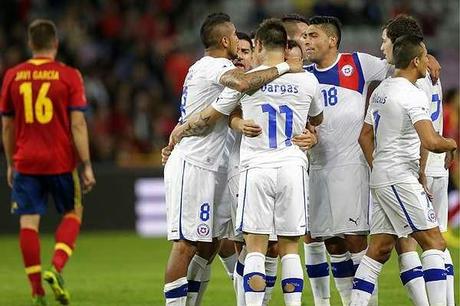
column 296, row 28
column 436, row 173
column 44, row 135
column 273, row 183
column 399, row 118
column 191, row 213
column 338, row 167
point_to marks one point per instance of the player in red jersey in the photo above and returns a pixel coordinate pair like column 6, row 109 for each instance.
column 44, row 135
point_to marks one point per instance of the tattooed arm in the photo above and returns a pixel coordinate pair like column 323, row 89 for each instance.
column 243, row 82
column 198, row 124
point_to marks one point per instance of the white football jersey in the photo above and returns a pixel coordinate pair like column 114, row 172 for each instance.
column 395, row 106
column 201, row 88
column 435, row 162
column 234, row 144
column 343, row 90
column 281, row 108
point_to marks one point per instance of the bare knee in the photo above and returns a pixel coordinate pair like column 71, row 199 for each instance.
column 30, row 221
column 430, row 239
column 208, row 250
column 356, row 243
column 227, row 248
column 380, row 249
column 336, row 246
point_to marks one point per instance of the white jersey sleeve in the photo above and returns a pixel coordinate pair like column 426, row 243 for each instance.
column 227, row 101
column 417, row 108
column 374, row 68
column 317, row 105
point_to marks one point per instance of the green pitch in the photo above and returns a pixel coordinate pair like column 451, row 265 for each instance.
column 119, row 268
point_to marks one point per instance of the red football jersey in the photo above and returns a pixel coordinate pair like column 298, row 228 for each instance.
column 40, row 93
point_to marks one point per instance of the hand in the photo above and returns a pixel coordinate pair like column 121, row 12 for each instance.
column 165, row 153
column 176, row 135
column 434, row 68
column 422, row 180
column 9, row 176
column 249, row 128
column 305, row 141
column 87, row 178
column 295, row 64
column 449, row 159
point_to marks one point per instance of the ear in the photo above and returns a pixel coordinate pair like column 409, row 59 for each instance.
column 225, row 41
column 416, row 61
column 332, row 41
column 258, row 46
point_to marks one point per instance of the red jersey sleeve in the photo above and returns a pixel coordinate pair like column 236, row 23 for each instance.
column 77, row 92
column 6, row 103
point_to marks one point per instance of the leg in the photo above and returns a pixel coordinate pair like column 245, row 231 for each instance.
column 238, row 274
column 176, row 285
column 271, row 268
column 411, row 272
column 317, row 269
column 291, row 270
column 254, row 269
column 199, row 271
column 433, row 262
column 379, row 251
column 342, row 267
column 228, row 256
column 29, row 241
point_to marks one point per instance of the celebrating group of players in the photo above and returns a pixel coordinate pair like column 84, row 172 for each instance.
column 268, row 150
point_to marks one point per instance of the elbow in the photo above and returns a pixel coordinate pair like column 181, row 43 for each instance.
column 430, row 145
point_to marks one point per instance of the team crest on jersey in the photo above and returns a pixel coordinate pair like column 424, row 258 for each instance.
column 431, row 216
column 347, row 70
column 203, row 230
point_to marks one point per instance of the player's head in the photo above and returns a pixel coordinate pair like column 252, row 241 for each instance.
column 245, row 47
column 296, row 28
column 42, row 36
column 399, row 26
column 409, row 53
column 218, row 32
column 293, row 50
column 323, row 36
column 270, row 36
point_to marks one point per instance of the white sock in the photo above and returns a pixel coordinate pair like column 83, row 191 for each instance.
column 318, row 272
column 271, row 268
column 229, row 264
column 195, row 272
column 434, row 272
column 450, row 279
column 411, row 274
column 356, row 258
column 254, row 268
column 342, row 270
column 238, row 278
column 292, row 279
column 176, row 292
column 364, row 282
column 205, row 277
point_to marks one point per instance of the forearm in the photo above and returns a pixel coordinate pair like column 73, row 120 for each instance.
column 423, row 159
column 235, row 119
column 367, row 146
column 81, row 142
column 243, row 82
column 198, row 124
column 8, row 142
column 441, row 145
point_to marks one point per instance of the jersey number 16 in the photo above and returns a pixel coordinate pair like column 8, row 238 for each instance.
column 43, row 107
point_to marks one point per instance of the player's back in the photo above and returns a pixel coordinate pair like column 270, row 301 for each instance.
column 40, row 93
column 281, row 108
column 394, row 107
column 435, row 162
column 201, row 88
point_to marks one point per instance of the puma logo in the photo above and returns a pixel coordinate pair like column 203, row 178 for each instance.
column 354, row 221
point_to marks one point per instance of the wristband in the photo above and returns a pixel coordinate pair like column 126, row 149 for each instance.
column 282, row 68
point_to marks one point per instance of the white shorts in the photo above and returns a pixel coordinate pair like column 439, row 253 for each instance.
column 438, row 187
column 273, row 200
column 339, row 201
column 191, row 208
column 401, row 209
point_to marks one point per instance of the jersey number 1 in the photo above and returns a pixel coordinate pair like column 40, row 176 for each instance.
column 267, row 108
column 43, row 109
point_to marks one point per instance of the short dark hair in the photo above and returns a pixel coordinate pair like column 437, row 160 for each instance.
column 331, row 25
column 271, row 33
column 207, row 33
column 42, row 34
column 244, row 36
column 294, row 18
column 292, row 44
column 405, row 49
column 402, row 25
